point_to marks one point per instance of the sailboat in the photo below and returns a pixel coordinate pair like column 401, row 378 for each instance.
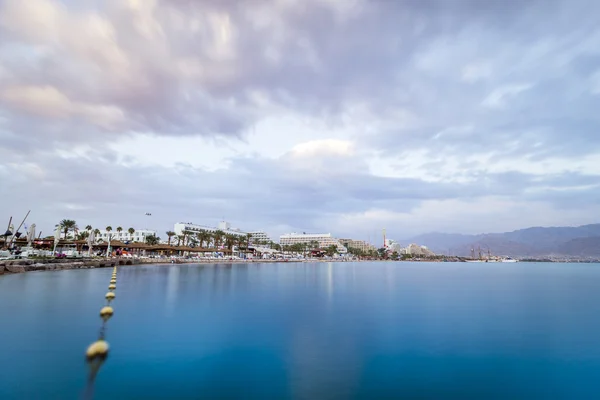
column 473, row 259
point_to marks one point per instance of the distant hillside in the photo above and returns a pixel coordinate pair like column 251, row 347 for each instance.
column 581, row 241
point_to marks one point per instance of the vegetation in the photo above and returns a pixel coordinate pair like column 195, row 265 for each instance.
column 152, row 240
column 331, row 250
column 67, row 225
column 170, row 234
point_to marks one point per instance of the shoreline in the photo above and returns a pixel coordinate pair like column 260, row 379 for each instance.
column 17, row 266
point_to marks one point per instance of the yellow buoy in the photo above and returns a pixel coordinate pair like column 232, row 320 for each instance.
column 97, row 349
column 106, row 312
column 112, row 287
column 110, row 296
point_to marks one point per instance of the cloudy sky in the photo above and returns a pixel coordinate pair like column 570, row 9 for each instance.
column 343, row 116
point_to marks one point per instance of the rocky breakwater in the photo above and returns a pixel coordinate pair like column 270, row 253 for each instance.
column 26, row 265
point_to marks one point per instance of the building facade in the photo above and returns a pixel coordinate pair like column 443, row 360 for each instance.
column 324, row 240
column 179, row 227
column 357, row 244
column 259, row 237
column 124, row 236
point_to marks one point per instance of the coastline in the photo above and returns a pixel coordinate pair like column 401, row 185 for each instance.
column 30, row 265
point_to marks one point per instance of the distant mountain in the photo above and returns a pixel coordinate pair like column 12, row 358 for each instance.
column 581, row 241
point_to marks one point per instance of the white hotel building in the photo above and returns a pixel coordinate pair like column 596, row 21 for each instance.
column 323, row 239
column 223, row 226
column 259, row 236
column 125, row 236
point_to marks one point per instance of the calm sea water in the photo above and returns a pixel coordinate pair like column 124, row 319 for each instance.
column 307, row 331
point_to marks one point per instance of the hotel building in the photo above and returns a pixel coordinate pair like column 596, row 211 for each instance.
column 259, row 236
column 323, row 239
column 357, row 244
column 223, row 226
column 125, row 236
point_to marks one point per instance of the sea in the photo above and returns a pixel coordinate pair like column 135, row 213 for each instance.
column 366, row 330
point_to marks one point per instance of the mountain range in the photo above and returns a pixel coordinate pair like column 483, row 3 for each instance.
column 581, row 241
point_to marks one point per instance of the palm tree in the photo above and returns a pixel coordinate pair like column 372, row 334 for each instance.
column 83, row 235
column 218, row 235
column 179, row 239
column 170, row 234
column 186, row 236
column 108, row 230
column 88, row 227
column 119, row 230
column 131, row 232
column 229, row 241
column 67, row 225
column 203, row 237
column 152, row 240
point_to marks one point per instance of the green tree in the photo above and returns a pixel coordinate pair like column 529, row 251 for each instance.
column 67, row 225
column 170, row 234
column 83, row 235
column 152, row 240
column 331, row 250
column 88, row 227
column 218, row 236
column 230, row 241
column 131, row 232
column 395, row 255
column 186, row 235
column 204, row 237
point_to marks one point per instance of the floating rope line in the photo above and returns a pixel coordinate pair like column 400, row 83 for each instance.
column 97, row 352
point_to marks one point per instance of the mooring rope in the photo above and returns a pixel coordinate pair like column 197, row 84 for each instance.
column 97, row 352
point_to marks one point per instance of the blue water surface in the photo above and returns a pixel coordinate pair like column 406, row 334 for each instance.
column 307, row 331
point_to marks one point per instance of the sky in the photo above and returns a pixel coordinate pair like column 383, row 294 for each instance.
column 341, row 116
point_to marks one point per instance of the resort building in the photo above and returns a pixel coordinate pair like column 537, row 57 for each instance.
column 416, row 250
column 124, row 236
column 391, row 246
column 223, row 226
column 357, row 244
column 324, row 240
column 259, row 237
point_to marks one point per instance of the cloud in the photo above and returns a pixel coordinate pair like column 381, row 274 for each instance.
column 325, row 115
column 500, row 96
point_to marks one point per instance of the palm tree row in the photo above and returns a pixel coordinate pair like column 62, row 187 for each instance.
column 69, row 225
column 205, row 239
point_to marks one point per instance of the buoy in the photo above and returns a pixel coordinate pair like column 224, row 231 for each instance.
column 98, row 349
column 112, row 287
column 110, row 296
column 106, row 312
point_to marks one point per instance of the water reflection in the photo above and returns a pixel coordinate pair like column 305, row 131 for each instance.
column 322, row 330
column 172, row 286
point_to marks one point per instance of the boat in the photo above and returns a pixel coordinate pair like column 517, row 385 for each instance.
column 509, row 260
